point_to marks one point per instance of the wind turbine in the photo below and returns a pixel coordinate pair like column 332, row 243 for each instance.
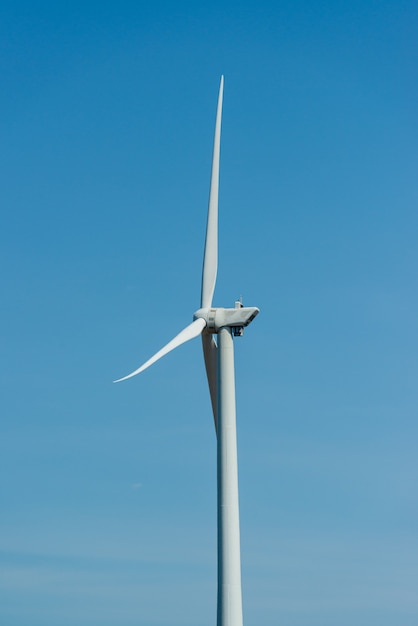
column 209, row 321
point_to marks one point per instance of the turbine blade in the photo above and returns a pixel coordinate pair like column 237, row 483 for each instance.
column 190, row 332
column 210, row 259
column 210, row 354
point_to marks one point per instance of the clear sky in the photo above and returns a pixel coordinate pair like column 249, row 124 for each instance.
column 107, row 492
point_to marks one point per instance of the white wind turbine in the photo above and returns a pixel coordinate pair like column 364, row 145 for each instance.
column 219, row 360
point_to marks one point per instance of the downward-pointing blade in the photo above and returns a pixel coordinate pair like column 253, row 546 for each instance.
column 190, row 332
column 210, row 355
column 210, row 259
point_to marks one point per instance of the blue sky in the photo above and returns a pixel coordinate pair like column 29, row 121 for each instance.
column 107, row 492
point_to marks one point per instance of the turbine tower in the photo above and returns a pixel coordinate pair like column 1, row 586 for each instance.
column 209, row 321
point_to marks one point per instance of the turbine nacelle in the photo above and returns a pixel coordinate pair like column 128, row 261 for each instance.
column 219, row 317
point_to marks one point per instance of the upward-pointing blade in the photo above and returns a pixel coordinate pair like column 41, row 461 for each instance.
column 190, row 332
column 210, row 259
